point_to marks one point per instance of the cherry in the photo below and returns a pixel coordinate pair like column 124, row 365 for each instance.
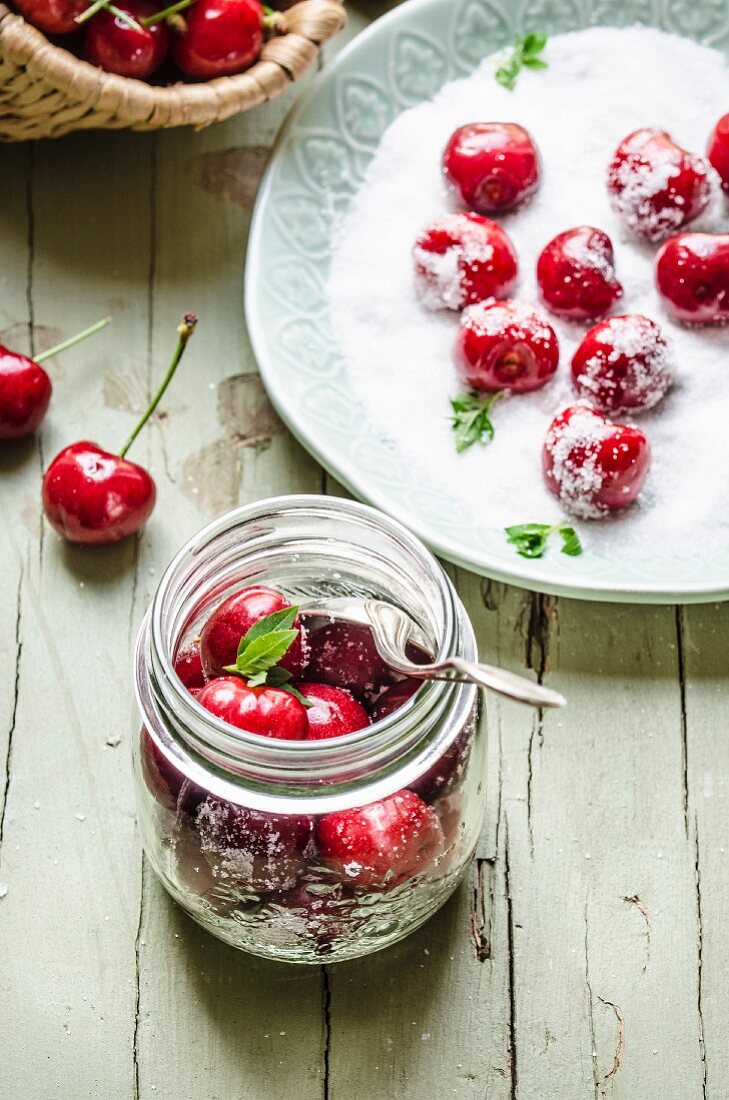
column 188, row 666
column 461, row 259
column 334, row 713
column 593, row 465
column 94, row 497
column 344, row 655
column 164, row 780
column 692, row 274
column 491, row 166
column 234, row 617
column 127, row 48
column 252, row 850
column 52, row 16
column 25, row 388
column 393, row 698
column 505, row 346
column 268, row 711
column 656, row 186
column 383, row 844
column 718, row 150
column 576, row 274
column 622, row 364
column 220, row 37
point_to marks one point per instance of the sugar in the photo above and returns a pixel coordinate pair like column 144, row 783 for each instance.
column 601, row 84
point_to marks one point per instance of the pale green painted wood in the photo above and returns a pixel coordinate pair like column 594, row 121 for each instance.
column 530, row 964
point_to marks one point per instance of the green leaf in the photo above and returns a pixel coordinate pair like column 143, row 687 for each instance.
column 265, row 651
column 471, row 420
column 277, row 676
column 259, row 679
column 524, row 52
column 535, row 63
column 533, row 43
column 279, row 620
column 570, row 540
column 297, row 695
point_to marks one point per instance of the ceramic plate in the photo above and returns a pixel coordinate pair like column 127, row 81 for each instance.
column 315, row 169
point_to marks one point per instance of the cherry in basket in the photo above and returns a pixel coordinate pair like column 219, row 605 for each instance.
column 52, row 16
column 218, row 37
column 94, row 497
column 130, row 39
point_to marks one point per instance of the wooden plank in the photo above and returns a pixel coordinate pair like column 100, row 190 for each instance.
column 236, row 1026
column 704, row 634
column 69, row 851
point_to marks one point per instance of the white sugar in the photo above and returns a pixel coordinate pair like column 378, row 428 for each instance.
column 600, row 86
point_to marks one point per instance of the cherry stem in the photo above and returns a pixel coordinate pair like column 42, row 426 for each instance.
column 123, row 16
column 274, row 21
column 90, row 11
column 185, row 330
column 72, row 340
column 166, row 12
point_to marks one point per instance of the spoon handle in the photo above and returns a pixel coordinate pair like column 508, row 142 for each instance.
column 508, row 683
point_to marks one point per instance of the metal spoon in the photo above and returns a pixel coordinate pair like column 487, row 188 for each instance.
column 392, row 628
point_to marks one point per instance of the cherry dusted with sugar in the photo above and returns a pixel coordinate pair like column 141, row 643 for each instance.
column 334, row 713
column 383, row 844
column 94, row 497
column 718, row 150
column 25, row 388
column 692, row 275
column 123, row 47
column 344, row 654
column 491, row 167
column 218, row 38
column 393, row 698
column 52, row 16
column 623, row 364
column 461, row 259
column 221, row 635
column 267, row 711
column 576, row 274
column 249, row 849
column 592, row 465
column 505, row 346
column 655, row 186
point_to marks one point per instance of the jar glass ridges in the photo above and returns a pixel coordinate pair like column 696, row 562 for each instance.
column 238, row 827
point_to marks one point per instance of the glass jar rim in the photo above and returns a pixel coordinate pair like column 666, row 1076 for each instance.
column 397, row 742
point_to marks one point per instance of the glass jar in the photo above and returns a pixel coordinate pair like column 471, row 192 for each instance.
column 232, row 822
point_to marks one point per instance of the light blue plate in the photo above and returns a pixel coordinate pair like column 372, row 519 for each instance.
column 317, row 165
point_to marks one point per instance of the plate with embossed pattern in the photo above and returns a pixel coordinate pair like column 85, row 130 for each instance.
column 315, row 169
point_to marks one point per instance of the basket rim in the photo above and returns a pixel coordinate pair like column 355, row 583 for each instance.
column 28, row 46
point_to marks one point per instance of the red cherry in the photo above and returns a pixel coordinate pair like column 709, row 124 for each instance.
column 234, row 617
column 119, row 48
column 692, row 274
column 270, row 712
column 221, row 37
column 461, row 259
column 252, row 850
column 576, row 274
column 382, row 844
column 393, row 698
column 344, row 654
column 491, row 166
column 593, row 465
column 718, row 150
column 188, row 666
column 52, row 16
column 622, row 365
column 505, row 346
column 334, row 713
column 656, row 186
column 93, row 497
column 25, row 391
column 164, row 780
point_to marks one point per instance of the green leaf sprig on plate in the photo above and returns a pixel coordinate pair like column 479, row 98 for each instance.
column 524, row 54
column 262, row 648
column 471, row 419
column 530, row 539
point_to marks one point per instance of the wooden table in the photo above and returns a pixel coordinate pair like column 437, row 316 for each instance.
column 587, row 954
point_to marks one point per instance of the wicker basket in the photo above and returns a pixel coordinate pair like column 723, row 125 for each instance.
column 45, row 91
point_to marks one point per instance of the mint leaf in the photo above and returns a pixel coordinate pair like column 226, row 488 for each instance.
column 509, row 62
column 265, row 651
column 530, row 539
column 471, row 420
column 279, row 620
column 277, row 677
column 297, row 695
